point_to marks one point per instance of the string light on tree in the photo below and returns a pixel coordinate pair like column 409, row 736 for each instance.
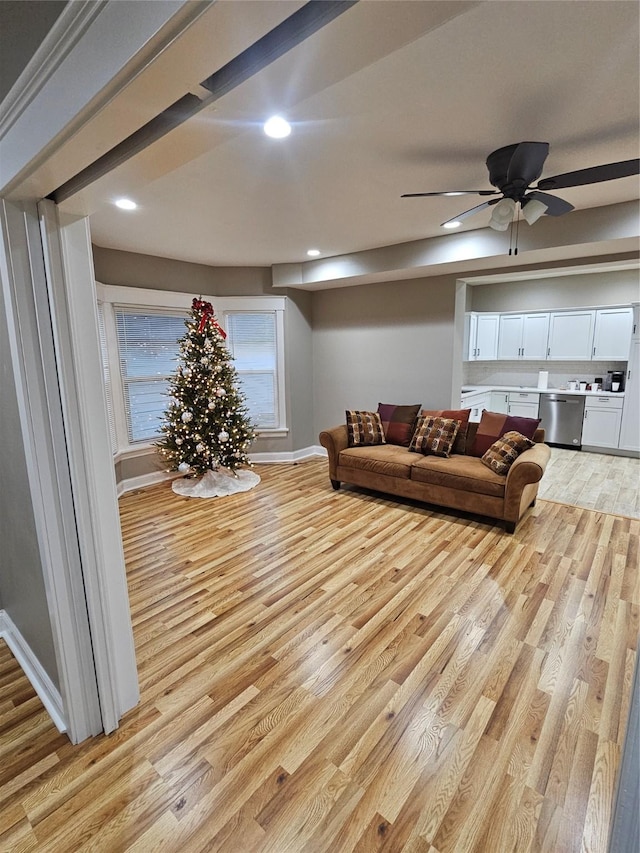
column 206, row 429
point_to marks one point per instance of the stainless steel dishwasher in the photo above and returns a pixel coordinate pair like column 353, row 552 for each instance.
column 561, row 418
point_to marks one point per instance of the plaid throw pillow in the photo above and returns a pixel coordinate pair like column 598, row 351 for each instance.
column 398, row 422
column 504, row 452
column 434, row 436
column 462, row 415
column 364, row 428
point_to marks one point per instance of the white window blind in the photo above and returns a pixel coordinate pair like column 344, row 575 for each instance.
column 252, row 341
column 148, row 351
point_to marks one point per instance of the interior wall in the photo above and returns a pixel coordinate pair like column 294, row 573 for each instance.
column 23, row 26
column 22, row 591
column 134, row 270
column 619, row 287
column 391, row 342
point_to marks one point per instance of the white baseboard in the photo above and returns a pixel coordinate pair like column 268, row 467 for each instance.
column 32, row 668
column 291, row 456
column 287, row 456
column 143, row 480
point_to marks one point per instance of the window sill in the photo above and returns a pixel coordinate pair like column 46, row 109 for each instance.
column 148, row 448
column 142, row 449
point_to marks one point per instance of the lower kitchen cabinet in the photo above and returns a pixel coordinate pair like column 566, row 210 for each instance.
column 523, row 404
column 499, row 402
column 477, row 403
column 601, row 423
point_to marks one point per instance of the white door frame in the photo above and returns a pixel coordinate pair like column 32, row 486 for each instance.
column 73, row 305
column 41, row 418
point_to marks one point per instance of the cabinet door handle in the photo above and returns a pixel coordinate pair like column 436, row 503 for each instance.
column 548, row 351
column 594, row 350
column 586, row 412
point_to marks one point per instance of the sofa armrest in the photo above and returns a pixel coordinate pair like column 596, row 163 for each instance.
column 528, row 468
column 334, row 440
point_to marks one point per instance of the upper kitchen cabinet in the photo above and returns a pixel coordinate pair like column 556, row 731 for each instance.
column 523, row 336
column 482, row 335
column 612, row 334
column 571, row 335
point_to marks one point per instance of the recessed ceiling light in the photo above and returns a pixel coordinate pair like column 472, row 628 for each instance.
column 126, row 204
column 313, row 253
column 453, row 224
column 277, row 127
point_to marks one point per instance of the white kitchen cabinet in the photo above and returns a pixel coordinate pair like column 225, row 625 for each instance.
column 523, row 404
column 601, row 422
column 630, row 426
column 482, row 336
column 477, row 403
column 571, row 335
column 612, row 336
column 523, row 336
column 499, row 402
column 635, row 329
column 510, row 336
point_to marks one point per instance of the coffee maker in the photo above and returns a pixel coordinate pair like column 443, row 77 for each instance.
column 614, row 381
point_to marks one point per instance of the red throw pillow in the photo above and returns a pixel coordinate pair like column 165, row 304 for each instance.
column 493, row 425
column 398, row 422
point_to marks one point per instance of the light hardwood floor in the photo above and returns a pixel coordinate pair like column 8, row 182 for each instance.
column 339, row 671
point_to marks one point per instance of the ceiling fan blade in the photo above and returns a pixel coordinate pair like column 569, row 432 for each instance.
column 471, row 211
column 555, row 206
column 527, row 161
column 450, row 192
column 593, row 175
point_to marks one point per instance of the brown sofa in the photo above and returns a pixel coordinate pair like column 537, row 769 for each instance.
column 460, row 481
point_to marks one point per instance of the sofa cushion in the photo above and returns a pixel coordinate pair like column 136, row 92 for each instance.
column 434, row 436
column 398, row 422
column 493, row 426
column 462, row 415
column 464, row 473
column 504, row 452
column 364, row 428
column 388, row 459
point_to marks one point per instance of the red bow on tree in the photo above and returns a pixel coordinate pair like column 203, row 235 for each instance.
column 207, row 315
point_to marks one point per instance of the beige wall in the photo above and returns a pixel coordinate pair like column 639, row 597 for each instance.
column 575, row 291
column 390, row 342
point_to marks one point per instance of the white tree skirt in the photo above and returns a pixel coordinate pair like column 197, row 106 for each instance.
column 216, row 484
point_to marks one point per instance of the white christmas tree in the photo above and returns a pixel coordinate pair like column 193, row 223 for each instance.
column 206, row 427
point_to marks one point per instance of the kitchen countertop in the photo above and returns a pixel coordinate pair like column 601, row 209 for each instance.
column 467, row 390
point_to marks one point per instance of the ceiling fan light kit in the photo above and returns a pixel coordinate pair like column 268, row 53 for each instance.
column 512, row 170
column 503, row 214
column 533, row 210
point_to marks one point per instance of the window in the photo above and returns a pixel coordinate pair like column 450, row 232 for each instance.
column 252, row 343
column 148, row 350
column 139, row 333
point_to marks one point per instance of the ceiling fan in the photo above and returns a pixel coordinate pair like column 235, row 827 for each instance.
column 513, row 169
